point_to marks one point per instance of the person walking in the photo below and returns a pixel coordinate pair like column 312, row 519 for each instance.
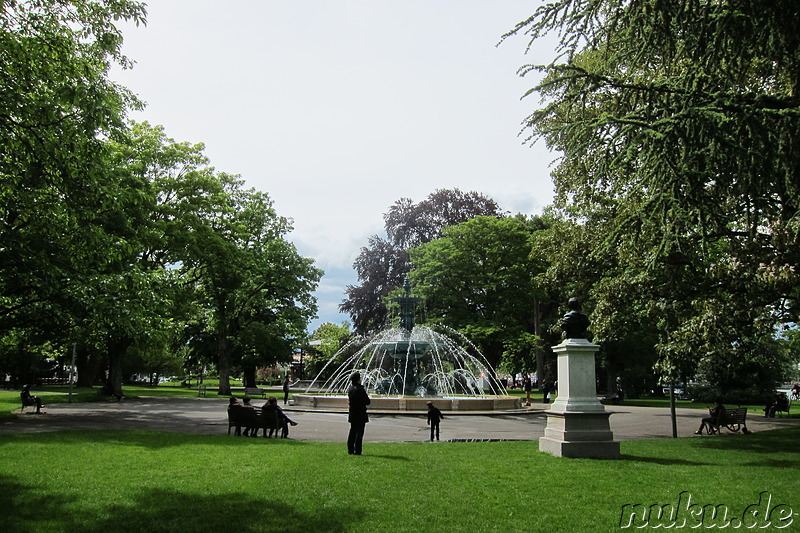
column 358, row 400
column 527, row 385
column 434, row 416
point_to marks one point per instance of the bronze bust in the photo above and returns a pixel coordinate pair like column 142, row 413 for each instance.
column 574, row 322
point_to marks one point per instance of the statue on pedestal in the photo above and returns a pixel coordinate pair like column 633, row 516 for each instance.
column 577, row 423
column 574, row 322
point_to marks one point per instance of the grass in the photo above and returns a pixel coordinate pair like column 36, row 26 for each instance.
column 9, row 399
column 61, row 393
column 130, row 481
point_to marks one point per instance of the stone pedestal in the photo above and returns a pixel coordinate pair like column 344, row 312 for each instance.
column 577, row 423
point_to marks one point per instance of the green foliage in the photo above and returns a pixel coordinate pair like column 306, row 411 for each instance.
column 383, row 264
column 106, row 227
column 331, row 338
column 478, row 278
column 789, row 341
column 256, row 288
column 58, row 197
column 678, row 127
column 155, row 355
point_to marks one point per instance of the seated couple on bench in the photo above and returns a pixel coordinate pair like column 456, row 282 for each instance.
column 270, row 418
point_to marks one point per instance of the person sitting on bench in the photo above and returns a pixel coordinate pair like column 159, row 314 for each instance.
column 283, row 420
column 30, row 399
column 779, row 403
column 711, row 422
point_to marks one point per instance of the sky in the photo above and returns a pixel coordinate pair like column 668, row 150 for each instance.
column 339, row 108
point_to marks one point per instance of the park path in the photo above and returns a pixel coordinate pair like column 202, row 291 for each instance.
column 208, row 416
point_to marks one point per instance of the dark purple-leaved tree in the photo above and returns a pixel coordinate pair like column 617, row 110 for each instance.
column 383, row 263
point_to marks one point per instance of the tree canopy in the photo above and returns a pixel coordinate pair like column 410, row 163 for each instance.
column 57, row 194
column 382, row 265
column 114, row 236
column 255, row 286
column 479, row 278
column 677, row 121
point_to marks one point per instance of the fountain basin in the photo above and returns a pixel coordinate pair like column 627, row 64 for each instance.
column 405, row 349
column 412, row 403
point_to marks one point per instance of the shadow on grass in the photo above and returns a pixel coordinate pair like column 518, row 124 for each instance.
column 153, row 440
column 23, row 508
column 762, row 442
column 661, row 460
column 390, row 457
column 165, row 510
column 775, row 463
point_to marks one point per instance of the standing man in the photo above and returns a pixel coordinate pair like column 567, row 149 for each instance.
column 545, row 388
column 434, row 416
column 357, row 414
column 526, row 384
column 286, row 389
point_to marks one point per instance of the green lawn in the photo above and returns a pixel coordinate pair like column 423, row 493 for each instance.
column 61, row 393
column 101, row 481
column 9, row 399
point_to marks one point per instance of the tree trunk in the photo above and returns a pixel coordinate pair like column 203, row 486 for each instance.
column 88, row 365
column 537, row 330
column 249, row 377
column 224, row 349
column 116, row 353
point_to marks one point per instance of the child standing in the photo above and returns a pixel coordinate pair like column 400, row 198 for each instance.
column 434, row 416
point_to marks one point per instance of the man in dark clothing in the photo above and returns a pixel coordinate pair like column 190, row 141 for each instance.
column 527, row 385
column 283, row 421
column 30, row 399
column 434, row 416
column 286, row 390
column 357, row 414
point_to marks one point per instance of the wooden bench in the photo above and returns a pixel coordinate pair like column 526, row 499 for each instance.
column 733, row 420
column 243, row 417
column 255, row 391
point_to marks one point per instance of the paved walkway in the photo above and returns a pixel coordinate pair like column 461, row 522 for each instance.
column 208, row 416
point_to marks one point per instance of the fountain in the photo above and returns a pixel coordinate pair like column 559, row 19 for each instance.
column 404, row 367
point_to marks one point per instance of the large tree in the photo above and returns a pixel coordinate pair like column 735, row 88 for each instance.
column 256, row 287
column 103, row 226
column 678, row 123
column 57, row 108
column 479, row 278
column 382, row 265
column 330, row 338
column 64, row 204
